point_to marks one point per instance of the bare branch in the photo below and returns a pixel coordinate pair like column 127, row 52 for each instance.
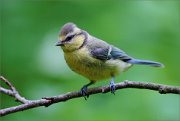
column 12, row 91
column 6, row 91
column 28, row 104
column 7, row 83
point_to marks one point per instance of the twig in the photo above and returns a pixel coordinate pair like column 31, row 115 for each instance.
column 12, row 91
column 28, row 104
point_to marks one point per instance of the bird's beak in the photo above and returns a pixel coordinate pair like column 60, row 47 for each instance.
column 59, row 43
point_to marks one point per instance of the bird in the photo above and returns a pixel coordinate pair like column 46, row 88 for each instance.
column 94, row 58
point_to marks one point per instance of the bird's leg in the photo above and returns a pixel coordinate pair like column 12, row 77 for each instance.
column 84, row 90
column 112, row 85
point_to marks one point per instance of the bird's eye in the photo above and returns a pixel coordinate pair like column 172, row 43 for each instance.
column 69, row 38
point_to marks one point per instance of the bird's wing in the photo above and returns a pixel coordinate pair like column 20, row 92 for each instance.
column 109, row 52
column 101, row 53
column 117, row 53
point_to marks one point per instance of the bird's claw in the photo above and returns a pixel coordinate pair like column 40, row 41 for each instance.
column 84, row 93
column 112, row 87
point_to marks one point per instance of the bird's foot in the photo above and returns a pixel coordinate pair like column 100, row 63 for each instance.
column 84, row 93
column 83, row 90
column 112, row 86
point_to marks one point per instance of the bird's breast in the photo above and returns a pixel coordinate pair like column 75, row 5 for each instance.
column 81, row 62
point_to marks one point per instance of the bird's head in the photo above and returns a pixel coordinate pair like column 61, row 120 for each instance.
column 71, row 37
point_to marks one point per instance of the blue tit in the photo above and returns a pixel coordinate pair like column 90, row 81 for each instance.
column 93, row 58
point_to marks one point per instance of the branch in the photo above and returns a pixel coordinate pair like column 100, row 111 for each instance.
column 28, row 104
column 12, row 91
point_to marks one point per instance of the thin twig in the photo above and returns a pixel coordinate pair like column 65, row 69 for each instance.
column 7, row 83
column 12, row 91
column 162, row 89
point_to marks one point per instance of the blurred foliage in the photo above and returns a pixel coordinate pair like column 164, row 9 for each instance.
column 32, row 62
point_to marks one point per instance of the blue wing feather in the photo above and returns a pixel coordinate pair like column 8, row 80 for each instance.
column 115, row 53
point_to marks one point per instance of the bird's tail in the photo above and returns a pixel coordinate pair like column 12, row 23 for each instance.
column 145, row 62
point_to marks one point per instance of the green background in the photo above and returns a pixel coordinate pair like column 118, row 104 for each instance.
column 36, row 67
